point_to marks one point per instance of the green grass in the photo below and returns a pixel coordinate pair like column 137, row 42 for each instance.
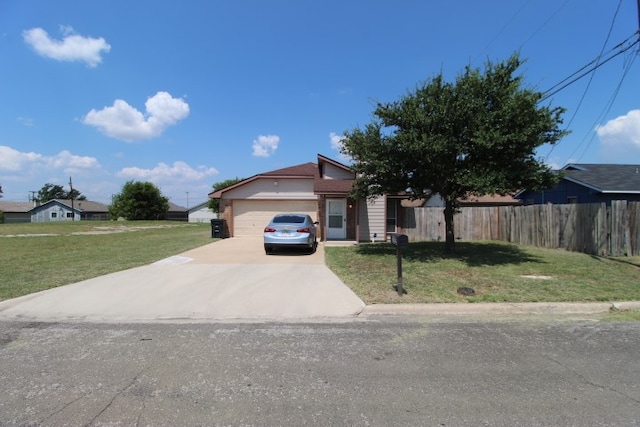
column 39, row 256
column 495, row 270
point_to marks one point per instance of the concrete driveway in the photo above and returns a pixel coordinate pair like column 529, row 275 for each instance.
column 224, row 280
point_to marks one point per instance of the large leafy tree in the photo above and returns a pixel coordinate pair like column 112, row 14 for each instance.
column 51, row 191
column 139, row 201
column 214, row 204
column 474, row 137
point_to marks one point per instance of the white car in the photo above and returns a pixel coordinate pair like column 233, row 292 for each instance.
column 290, row 230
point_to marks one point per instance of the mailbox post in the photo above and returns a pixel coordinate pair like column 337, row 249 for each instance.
column 401, row 242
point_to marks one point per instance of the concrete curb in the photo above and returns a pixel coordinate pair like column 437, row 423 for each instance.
column 499, row 308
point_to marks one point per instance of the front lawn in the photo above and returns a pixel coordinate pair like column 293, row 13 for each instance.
column 39, row 256
column 496, row 271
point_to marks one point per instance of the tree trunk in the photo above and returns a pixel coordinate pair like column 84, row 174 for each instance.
column 449, row 212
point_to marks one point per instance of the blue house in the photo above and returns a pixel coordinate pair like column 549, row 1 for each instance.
column 67, row 210
column 589, row 183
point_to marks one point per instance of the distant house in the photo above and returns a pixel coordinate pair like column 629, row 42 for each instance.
column 66, row 210
column 589, row 183
column 14, row 212
column 201, row 213
column 176, row 213
column 490, row 200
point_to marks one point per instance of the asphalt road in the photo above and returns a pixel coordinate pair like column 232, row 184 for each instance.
column 523, row 371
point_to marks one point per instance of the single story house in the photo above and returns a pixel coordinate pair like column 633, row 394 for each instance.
column 14, row 212
column 176, row 213
column 589, row 183
column 322, row 190
column 201, row 213
column 67, row 210
column 319, row 189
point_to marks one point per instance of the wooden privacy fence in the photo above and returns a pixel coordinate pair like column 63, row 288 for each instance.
column 595, row 228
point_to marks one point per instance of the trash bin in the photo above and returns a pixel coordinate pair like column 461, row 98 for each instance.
column 217, row 228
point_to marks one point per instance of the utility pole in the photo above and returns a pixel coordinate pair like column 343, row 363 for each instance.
column 73, row 212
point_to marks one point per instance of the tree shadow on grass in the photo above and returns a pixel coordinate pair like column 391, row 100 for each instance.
column 474, row 254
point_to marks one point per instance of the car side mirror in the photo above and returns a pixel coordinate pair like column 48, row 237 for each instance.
column 316, row 223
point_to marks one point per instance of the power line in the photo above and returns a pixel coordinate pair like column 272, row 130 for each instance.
column 597, row 61
column 586, row 89
column 621, row 49
column 607, row 108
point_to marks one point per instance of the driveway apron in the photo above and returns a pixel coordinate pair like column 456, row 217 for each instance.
column 224, row 280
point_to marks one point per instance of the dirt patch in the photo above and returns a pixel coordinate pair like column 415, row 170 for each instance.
column 121, row 229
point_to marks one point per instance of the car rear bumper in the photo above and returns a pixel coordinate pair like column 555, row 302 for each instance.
column 288, row 241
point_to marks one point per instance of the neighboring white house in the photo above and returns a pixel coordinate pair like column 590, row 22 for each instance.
column 201, row 213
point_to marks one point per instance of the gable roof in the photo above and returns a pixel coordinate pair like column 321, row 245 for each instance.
column 304, row 170
column 78, row 205
column 16, row 207
column 176, row 208
column 324, row 159
column 605, row 178
column 307, row 170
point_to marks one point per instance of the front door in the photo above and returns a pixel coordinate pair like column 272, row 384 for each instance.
column 336, row 218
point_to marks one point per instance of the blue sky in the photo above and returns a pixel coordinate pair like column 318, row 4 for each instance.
column 186, row 94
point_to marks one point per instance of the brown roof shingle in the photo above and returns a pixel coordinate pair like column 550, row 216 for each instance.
column 332, row 186
column 309, row 169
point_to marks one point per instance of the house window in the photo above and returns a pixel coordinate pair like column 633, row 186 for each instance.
column 54, row 214
column 69, row 214
column 392, row 215
column 572, row 199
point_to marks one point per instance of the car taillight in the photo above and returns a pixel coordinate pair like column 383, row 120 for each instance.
column 269, row 230
column 303, row 230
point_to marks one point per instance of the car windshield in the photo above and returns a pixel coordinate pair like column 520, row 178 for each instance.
column 288, row 219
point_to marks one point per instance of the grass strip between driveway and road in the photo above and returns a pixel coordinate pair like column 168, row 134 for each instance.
column 39, row 256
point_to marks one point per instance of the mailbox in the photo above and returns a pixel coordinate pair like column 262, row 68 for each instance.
column 399, row 240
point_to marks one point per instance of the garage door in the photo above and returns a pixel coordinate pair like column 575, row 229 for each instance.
column 251, row 216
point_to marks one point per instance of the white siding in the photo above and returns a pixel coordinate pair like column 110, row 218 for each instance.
column 53, row 212
column 203, row 214
column 372, row 219
column 334, row 172
column 251, row 216
column 267, row 189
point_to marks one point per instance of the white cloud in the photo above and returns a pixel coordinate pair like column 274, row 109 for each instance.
column 72, row 47
column 163, row 173
column 71, row 163
column 336, row 144
column 621, row 136
column 265, row 145
column 122, row 121
column 13, row 161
